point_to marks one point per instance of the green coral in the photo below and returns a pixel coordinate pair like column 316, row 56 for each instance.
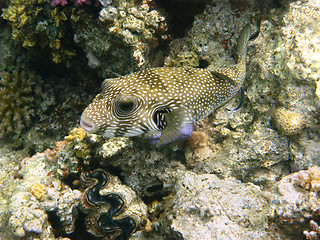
column 16, row 101
column 37, row 23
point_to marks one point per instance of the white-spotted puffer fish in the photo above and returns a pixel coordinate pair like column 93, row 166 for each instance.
column 163, row 99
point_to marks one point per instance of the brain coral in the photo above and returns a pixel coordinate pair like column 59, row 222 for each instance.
column 16, row 101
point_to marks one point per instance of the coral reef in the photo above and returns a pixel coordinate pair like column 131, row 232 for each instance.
column 26, row 215
column 56, row 27
column 35, row 23
column 179, row 183
column 139, row 26
column 114, row 210
column 58, row 197
column 33, row 193
column 297, row 67
column 296, row 199
column 133, row 28
column 205, row 207
column 16, row 101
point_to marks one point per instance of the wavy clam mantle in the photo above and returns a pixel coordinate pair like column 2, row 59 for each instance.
column 113, row 209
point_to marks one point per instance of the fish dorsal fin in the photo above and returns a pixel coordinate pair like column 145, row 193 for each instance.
column 175, row 121
column 242, row 43
column 108, row 84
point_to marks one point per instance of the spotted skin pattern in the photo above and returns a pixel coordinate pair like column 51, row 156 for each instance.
column 127, row 105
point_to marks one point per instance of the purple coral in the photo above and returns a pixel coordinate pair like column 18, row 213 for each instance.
column 80, row 2
column 58, row 2
column 64, row 2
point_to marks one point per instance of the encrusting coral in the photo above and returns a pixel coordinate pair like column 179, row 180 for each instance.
column 138, row 25
column 38, row 190
column 16, row 101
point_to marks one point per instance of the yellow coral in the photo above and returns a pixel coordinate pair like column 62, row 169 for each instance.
column 76, row 137
column 34, row 22
column 38, row 190
column 77, row 133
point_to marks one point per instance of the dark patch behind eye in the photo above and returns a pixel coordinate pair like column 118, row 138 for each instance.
column 159, row 118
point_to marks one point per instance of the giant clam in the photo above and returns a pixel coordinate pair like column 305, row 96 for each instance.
column 114, row 211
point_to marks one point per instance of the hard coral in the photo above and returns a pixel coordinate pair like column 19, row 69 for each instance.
column 309, row 179
column 289, row 122
column 36, row 23
column 137, row 25
column 16, row 101
column 38, row 190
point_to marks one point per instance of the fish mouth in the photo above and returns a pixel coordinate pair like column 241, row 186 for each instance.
column 86, row 124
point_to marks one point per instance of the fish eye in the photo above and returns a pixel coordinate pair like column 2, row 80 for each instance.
column 125, row 105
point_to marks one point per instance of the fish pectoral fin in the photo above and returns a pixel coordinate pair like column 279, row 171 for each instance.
column 174, row 124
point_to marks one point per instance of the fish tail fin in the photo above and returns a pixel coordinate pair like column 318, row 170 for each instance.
column 242, row 43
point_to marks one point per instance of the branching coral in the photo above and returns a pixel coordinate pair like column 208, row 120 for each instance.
column 16, row 101
column 36, row 23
